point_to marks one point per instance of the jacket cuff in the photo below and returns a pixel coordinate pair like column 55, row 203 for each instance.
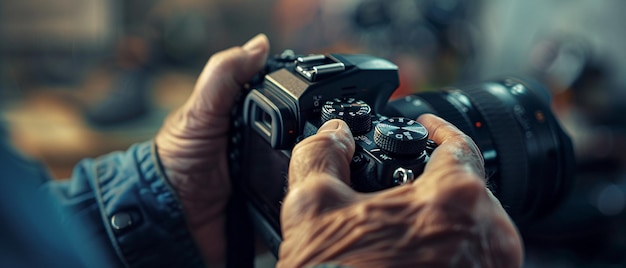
column 142, row 214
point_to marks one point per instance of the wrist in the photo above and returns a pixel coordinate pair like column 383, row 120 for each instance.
column 192, row 154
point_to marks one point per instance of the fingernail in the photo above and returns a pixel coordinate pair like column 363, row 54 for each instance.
column 255, row 44
column 331, row 125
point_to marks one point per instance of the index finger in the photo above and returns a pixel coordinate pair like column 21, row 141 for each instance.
column 455, row 149
column 319, row 172
column 328, row 152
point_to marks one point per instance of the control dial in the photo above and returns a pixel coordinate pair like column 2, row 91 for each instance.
column 401, row 136
column 356, row 113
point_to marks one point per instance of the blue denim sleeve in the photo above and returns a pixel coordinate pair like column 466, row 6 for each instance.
column 127, row 210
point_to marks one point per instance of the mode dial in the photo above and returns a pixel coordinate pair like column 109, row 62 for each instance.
column 356, row 113
column 401, row 136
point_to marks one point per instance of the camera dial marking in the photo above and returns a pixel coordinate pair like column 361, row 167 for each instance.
column 401, row 136
column 356, row 113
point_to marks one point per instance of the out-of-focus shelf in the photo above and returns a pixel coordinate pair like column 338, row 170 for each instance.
column 48, row 124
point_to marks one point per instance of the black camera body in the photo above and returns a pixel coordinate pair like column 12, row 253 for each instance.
column 528, row 156
column 295, row 97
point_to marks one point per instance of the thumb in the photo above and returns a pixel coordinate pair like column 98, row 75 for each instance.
column 319, row 171
column 225, row 75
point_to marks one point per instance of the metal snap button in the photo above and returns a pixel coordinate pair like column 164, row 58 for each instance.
column 121, row 220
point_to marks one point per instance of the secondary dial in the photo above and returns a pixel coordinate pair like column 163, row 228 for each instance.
column 402, row 136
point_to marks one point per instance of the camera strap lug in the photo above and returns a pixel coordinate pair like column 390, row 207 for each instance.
column 403, row 176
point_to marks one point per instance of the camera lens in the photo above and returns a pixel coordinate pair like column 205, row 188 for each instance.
column 528, row 157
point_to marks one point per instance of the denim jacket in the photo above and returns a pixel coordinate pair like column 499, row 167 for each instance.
column 115, row 211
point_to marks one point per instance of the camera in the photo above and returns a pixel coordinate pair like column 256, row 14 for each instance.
column 528, row 156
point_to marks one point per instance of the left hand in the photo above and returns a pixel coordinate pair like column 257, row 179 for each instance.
column 192, row 143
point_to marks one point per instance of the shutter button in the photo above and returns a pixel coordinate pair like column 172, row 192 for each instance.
column 121, row 220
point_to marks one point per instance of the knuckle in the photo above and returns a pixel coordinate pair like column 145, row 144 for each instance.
column 466, row 151
column 465, row 191
column 297, row 201
column 308, row 197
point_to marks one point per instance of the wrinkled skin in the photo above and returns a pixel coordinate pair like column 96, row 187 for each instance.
column 192, row 143
column 446, row 218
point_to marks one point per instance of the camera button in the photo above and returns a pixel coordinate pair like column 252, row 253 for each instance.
column 359, row 161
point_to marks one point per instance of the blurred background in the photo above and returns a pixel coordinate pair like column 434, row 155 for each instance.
column 79, row 78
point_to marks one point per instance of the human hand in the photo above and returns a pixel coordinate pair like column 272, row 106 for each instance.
column 446, row 218
column 192, row 143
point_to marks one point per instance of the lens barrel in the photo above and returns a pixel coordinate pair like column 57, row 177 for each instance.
column 528, row 156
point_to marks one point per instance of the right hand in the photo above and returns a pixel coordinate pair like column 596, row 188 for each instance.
column 446, row 218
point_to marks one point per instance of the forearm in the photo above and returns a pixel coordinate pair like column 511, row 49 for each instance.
column 129, row 210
